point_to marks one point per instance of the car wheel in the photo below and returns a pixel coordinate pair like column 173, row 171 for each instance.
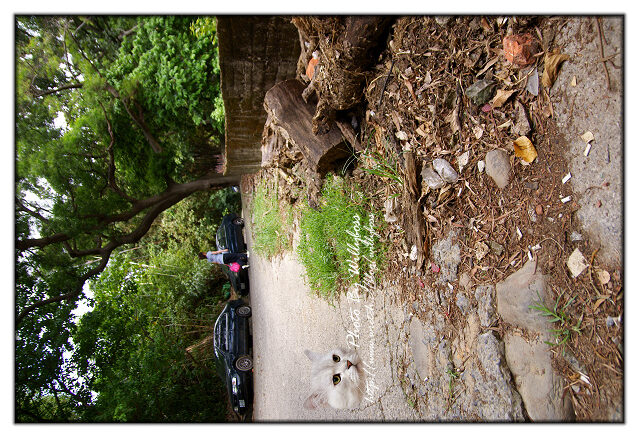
column 244, row 311
column 238, row 221
column 244, row 363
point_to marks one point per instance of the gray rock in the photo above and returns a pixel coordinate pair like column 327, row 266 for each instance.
column 496, row 247
column 539, row 386
column 464, row 280
column 462, row 302
column 522, row 125
column 486, row 304
column 421, row 352
column 432, row 178
column 447, row 256
column 445, row 170
column 517, row 293
column 498, row 167
column 500, row 401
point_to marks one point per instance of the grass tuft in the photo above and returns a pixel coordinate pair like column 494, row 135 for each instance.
column 270, row 236
column 324, row 237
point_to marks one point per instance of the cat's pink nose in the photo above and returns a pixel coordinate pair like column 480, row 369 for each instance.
column 348, row 364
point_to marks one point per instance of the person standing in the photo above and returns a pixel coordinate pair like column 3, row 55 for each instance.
column 224, row 257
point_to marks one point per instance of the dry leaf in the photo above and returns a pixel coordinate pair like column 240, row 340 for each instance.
column 500, row 98
column 587, row 136
column 520, row 49
column 552, row 61
column 310, row 69
column 598, row 303
column 525, row 149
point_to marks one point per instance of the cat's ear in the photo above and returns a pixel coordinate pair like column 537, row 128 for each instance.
column 315, row 400
column 312, row 355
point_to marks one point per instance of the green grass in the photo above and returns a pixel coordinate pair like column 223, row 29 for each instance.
column 271, row 235
column 323, row 248
column 557, row 315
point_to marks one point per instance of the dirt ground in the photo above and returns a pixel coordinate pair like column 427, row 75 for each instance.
column 416, row 89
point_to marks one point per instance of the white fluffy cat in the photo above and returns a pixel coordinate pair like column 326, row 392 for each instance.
column 336, row 379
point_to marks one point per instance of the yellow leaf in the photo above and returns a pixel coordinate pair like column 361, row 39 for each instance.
column 525, row 149
column 500, row 98
column 552, row 61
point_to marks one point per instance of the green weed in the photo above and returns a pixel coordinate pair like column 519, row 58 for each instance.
column 558, row 315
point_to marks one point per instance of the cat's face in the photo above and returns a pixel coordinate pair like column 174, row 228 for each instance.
column 336, row 379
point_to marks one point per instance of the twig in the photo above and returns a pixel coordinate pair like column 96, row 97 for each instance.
column 390, row 71
column 601, row 51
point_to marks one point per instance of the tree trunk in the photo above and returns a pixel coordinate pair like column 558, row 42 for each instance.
column 291, row 118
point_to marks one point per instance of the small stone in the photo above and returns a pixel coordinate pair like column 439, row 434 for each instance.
column 445, row 170
column 498, row 167
column 432, row 178
column 464, row 280
column 481, row 91
column 576, row 263
column 462, row 302
column 462, row 160
column 531, row 185
column 496, row 247
column 539, row 210
column 413, row 253
column 522, row 125
column 575, row 237
column 481, row 249
column 481, row 165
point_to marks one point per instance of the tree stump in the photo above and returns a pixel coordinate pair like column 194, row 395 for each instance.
column 347, row 47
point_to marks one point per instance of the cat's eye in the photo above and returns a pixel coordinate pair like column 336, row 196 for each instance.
column 336, row 378
column 335, row 358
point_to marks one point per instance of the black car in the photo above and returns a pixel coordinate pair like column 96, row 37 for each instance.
column 229, row 236
column 233, row 350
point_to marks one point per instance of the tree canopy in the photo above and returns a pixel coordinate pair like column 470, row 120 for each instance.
column 118, row 119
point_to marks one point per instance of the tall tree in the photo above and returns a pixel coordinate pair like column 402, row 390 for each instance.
column 117, row 120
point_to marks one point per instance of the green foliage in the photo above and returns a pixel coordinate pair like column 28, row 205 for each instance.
column 327, row 242
column 131, row 346
column 270, row 236
column 73, row 179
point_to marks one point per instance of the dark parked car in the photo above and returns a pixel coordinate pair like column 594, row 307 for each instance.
column 233, row 350
column 229, row 236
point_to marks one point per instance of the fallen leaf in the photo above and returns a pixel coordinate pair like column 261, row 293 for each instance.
column 525, row 149
column 500, row 98
column 520, row 49
column 310, row 70
column 401, row 135
column 587, row 136
column 552, row 62
column 598, row 303
column 478, row 131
